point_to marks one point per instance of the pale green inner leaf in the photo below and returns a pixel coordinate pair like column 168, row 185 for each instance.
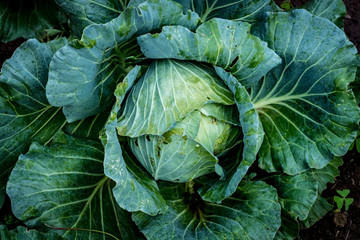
column 169, row 91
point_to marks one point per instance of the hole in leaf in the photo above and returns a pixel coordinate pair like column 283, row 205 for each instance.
column 234, row 62
column 152, row 162
column 158, row 151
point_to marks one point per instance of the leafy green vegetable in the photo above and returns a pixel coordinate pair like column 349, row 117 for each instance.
column 296, row 193
column 300, row 196
column 334, row 10
column 135, row 190
column 64, row 186
column 187, row 150
column 28, row 18
column 186, row 218
column 304, row 104
column 149, row 125
column 21, row 233
column 26, row 115
column 83, row 75
column 319, row 209
column 84, row 13
column 244, row 10
column 223, row 43
column 216, row 191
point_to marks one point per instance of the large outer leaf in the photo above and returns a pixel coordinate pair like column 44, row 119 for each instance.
column 251, row 213
column 27, row 18
column 218, row 189
column 83, row 13
column 244, row 10
column 307, row 111
column 25, row 114
column 64, row 186
column 319, row 209
column 355, row 86
column 289, row 229
column 223, row 43
column 135, row 190
column 21, row 233
column 83, row 76
column 334, row 10
column 167, row 93
column 327, row 174
column 323, row 176
column 89, row 127
column 296, row 193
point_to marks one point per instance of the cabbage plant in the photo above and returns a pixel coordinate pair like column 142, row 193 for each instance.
column 177, row 120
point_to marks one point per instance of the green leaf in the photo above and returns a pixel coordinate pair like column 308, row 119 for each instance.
column 156, row 103
column 228, row 114
column 343, row 193
column 327, row 174
column 28, row 18
column 243, row 10
column 218, row 189
column 307, row 110
column 357, row 145
column 319, row 209
column 25, row 114
column 64, row 186
column 135, row 190
column 89, row 127
column 21, row 233
column 297, row 193
column 84, row 75
column 286, row 5
column 348, row 202
column 334, row 10
column 289, row 229
column 83, row 13
column 251, row 213
column 339, row 201
column 322, row 177
column 176, row 158
column 355, row 86
column 223, row 43
column 216, row 136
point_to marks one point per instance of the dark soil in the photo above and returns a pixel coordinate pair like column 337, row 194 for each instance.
column 352, row 23
column 344, row 225
column 7, row 49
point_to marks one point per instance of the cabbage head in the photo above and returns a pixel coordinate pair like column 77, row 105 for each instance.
column 180, row 116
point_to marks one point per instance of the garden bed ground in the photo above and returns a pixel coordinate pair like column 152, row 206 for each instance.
column 344, row 225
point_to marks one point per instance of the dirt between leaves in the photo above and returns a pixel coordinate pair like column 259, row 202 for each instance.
column 339, row 226
column 7, row 49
